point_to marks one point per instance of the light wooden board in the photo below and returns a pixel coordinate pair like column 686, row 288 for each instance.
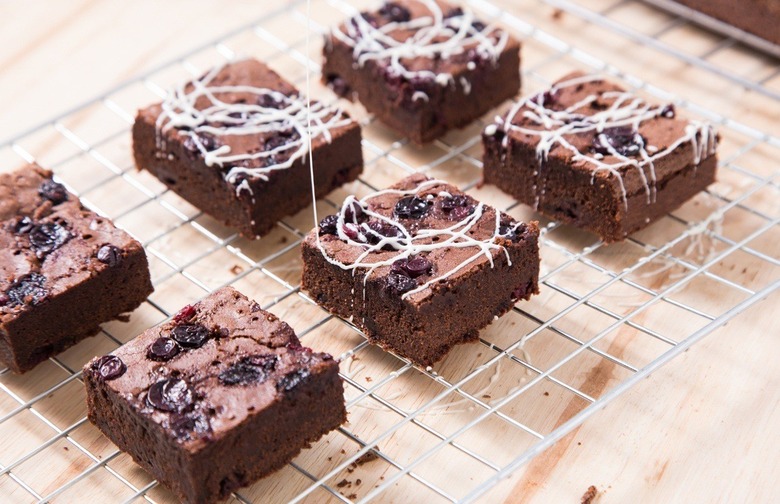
column 704, row 428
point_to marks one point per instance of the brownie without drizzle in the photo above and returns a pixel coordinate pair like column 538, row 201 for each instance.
column 233, row 143
column 218, row 397
column 420, row 267
column 422, row 67
column 586, row 152
column 65, row 269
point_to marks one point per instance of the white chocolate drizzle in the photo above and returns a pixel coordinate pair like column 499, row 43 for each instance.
column 433, row 37
column 288, row 114
column 409, row 244
column 625, row 110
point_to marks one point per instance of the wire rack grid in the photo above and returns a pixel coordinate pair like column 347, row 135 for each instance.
column 488, row 408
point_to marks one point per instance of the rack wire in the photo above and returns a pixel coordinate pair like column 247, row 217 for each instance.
column 530, row 379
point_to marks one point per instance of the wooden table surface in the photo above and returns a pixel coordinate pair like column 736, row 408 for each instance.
column 704, row 428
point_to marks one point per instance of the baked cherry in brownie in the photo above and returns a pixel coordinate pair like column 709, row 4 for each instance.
column 218, row 397
column 588, row 153
column 421, row 266
column 233, row 143
column 422, row 67
column 66, row 270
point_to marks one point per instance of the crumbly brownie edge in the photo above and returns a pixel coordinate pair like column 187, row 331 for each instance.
column 193, row 476
column 77, row 313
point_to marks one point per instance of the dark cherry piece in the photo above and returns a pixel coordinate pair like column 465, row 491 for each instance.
column 189, row 426
column 185, row 314
column 453, row 12
column 171, row 394
column 547, row 98
column 28, row 289
column 208, row 142
column 292, row 380
column 378, row 230
column 351, row 231
column 457, row 207
column 411, row 207
column 281, row 139
column 625, row 140
column 512, row 231
column 478, row 26
column 395, row 12
column 338, row 85
column 109, row 254
column 266, row 100
column 163, row 349
column 329, row 225
column 412, row 267
column 190, row 335
column 400, row 283
column 368, row 18
column 668, row 111
column 354, row 213
column 110, row 367
column 252, row 369
column 23, row 225
column 48, row 237
column 52, row 191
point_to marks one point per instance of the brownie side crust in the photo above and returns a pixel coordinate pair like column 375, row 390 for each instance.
column 438, row 93
column 759, row 17
column 66, row 270
column 598, row 180
column 421, row 305
column 216, row 398
column 242, row 191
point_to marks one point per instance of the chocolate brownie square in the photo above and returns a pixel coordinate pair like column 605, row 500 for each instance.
column 216, row 398
column 422, row 67
column 234, row 144
column 421, row 266
column 65, row 269
column 588, row 153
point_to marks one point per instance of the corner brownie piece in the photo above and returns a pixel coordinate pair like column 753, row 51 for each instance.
column 421, row 266
column 588, row 153
column 218, row 397
column 234, row 144
column 65, row 270
column 422, row 67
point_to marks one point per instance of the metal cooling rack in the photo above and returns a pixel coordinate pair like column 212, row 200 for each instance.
column 459, row 404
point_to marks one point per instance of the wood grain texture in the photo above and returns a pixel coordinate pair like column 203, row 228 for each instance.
column 704, row 428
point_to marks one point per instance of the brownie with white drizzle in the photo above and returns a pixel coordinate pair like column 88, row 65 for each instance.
column 421, row 266
column 65, row 269
column 234, row 144
column 588, row 153
column 422, row 67
column 216, row 398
